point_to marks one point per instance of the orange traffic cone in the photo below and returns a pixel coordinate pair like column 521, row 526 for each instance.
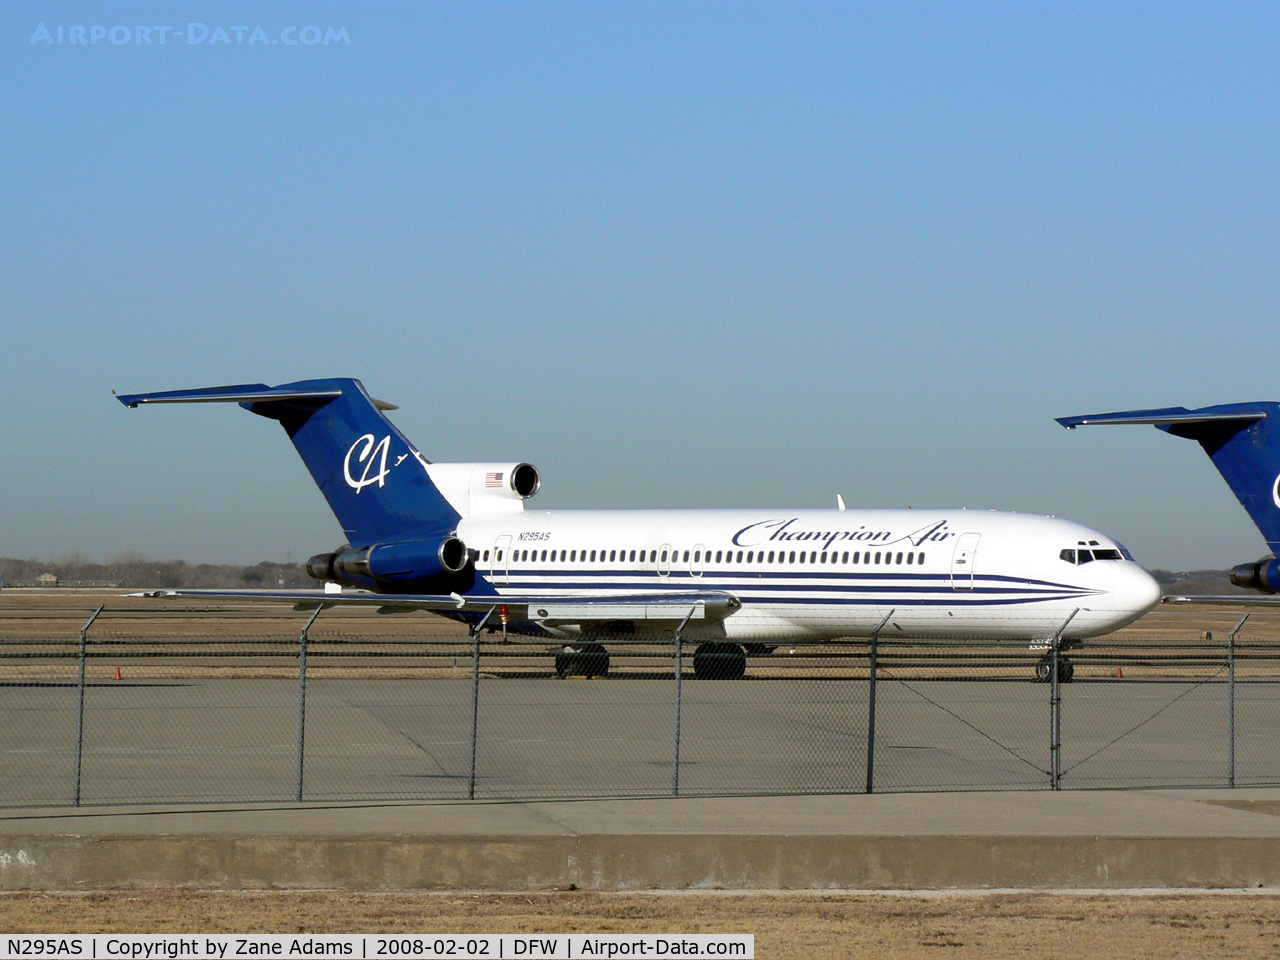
column 117, row 673
column 1119, row 672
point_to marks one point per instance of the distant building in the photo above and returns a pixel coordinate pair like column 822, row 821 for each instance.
column 46, row 580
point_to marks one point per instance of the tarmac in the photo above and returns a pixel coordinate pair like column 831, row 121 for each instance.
column 1133, row 839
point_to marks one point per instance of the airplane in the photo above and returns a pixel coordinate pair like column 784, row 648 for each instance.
column 455, row 539
column 1243, row 441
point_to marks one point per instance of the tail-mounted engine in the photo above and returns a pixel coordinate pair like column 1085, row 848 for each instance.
column 479, row 488
column 406, row 562
column 1261, row 575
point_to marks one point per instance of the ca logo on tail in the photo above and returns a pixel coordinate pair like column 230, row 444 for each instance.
column 369, row 452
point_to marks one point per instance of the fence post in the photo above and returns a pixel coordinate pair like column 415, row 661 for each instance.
column 1055, row 707
column 871, row 703
column 675, row 740
column 302, row 695
column 475, row 695
column 84, row 639
column 1231, row 702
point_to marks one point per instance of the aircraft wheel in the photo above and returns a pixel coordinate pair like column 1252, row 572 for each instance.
column 719, row 661
column 1044, row 670
column 582, row 660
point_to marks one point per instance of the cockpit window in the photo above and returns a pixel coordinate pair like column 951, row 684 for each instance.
column 1093, row 551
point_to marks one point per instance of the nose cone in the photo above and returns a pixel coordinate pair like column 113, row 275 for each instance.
column 1135, row 592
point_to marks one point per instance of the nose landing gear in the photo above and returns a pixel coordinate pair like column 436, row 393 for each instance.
column 1044, row 669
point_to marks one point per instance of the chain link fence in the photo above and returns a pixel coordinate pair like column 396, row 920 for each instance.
column 158, row 702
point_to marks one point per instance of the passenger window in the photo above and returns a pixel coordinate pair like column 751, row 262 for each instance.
column 802, row 556
column 697, row 556
column 686, row 556
column 498, row 555
column 573, row 556
column 664, row 556
column 718, row 555
column 751, row 556
column 855, row 556
column 877, row 556
column 920, row 559
column 633, row 556
column 486, row 554
column 899, row 560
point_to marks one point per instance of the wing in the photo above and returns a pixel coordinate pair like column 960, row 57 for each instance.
column 1233, row 600
column 711, row 605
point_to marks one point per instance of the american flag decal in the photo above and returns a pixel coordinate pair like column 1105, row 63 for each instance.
column 493, row 479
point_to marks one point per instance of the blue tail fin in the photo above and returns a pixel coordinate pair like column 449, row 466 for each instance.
column 376, row 482
column 1242, row 439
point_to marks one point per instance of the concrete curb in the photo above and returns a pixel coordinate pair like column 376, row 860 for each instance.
column 635, row 862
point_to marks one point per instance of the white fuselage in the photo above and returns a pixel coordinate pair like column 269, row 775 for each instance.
column 821, row 574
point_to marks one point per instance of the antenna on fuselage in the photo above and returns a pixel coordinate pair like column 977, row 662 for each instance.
column 840, row 502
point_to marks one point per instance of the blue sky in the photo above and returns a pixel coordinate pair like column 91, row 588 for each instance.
column 674, row 254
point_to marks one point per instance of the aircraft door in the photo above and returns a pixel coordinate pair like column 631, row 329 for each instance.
column 501, row 559
column 962, row 561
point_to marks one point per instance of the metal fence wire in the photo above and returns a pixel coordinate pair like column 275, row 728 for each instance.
column 179, row 703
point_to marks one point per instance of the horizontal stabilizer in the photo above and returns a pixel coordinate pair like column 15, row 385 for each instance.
column 238, row 393
column 1165, row 415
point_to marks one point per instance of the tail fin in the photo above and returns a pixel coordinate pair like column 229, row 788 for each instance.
column 1242, row 439
column 375, row 480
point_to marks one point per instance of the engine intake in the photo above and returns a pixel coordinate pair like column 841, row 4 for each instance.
column 406, row 562
column 1261, row 575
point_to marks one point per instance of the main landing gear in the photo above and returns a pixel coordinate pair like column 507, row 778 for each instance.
column 582, row 660
column 711, row 661
column 719, row 661
column 1044, row 669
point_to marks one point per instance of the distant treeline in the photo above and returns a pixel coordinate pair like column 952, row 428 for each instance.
column 1198, row 582
column 135, row 570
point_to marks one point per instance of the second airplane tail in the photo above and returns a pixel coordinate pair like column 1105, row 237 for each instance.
column 1242, row 440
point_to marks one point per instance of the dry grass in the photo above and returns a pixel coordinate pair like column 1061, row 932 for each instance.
column 991, row 927
column 252, row 640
